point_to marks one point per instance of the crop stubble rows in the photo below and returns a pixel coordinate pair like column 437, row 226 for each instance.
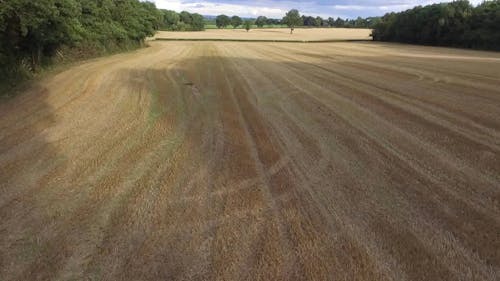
column 229, row 161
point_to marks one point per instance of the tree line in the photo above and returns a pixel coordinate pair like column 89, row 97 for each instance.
column 339, row 22
column 457, row 24
column 183, row 21
column 33, row 32
column 222, row 21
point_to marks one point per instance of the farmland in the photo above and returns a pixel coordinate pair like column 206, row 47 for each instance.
column 255, row 161
column 300, row 34
column 211, row 25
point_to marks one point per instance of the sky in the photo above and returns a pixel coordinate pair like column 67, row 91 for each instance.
column 278, row 8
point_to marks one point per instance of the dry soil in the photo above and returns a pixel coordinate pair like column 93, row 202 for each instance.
column 252, row 161
column 299, row 34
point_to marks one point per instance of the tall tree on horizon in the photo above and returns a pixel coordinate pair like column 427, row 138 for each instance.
column 292, row 19
column 236, row 21
column 248, row 25
column 222, row 21
column 261, row 21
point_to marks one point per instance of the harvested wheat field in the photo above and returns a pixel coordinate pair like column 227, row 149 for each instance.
column 253, row 161
column 270, row 34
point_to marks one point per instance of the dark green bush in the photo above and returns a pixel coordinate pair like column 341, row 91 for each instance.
column 457, row 24
column 32, row 32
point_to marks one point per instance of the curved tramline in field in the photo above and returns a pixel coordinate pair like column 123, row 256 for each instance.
column 235, row 161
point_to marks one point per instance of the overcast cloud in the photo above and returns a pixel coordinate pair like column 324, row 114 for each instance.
column 277, row 8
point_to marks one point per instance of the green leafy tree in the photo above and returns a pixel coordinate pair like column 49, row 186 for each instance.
column 152, row 15
column 482, row 26
column 331, row 22
column 318, row 21
column 36, row 29
column 261, row 21
column 292, row 19
column 248, row 25
column 308, row 21
column 221, row 21
column 360, row 22
column 236, row 21
column 32, row 32
column 183, row 21
column 198, row 23
column 170, row 19
column 447, row 24
column 339, row 22
column 186, row 17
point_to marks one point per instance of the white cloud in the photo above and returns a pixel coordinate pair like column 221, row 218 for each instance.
column 278, row 8
column 209, row 8
column 349, row 7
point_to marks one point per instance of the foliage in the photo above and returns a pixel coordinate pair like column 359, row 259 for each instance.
column 185, row 17
column 318, row 21
column 236, row 21
column 330, row 22
column 261, row 21
column 447, row 24
column 273, row 21
column 222, row 21
column 183, row 21
column 339, row 22
column 248, row 25
column 170, row 19
column 483, row 27
column 32, row 32
column 197, row 23
column 292, row 19
column 32, row 29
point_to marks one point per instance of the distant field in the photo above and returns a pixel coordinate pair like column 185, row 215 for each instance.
column 256, row 161
column 213, row 26
column 300, row 34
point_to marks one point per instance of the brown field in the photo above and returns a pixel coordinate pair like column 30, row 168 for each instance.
column 252, row 161
column 300, row 34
